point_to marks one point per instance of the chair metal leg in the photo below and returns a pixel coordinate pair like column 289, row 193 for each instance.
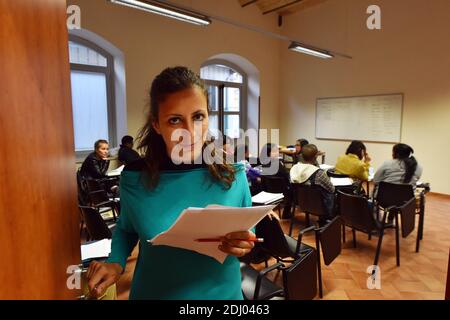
column 421, row 217
column 354, row 237
column 319, row 267
column 308, row 222
column 380, row 239
column 369, row 236
column 291, row 226
column 397, row 240
column 343, row 233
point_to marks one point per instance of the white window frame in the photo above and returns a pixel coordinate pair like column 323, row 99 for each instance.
column 221, row 85
column 108, row 71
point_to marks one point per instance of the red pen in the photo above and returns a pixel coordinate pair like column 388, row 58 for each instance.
column 221, row 239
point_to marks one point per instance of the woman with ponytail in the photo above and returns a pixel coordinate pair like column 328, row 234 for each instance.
column 174, row 175
column 403, row 168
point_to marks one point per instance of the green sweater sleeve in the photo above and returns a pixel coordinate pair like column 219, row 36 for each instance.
column 124, row 237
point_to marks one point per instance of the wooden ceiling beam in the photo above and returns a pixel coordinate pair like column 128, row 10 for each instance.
column 283, row 6
column 247, row 3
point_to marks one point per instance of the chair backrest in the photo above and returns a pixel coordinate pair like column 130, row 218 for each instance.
column 93, row 185
column 95, row 224
column 408, row 216
column 330, row 240
column 333, row 174
column 98, row 197
column 275, row 241
column 310, row 199
column 355, row 212
column 393, row 194
column 300, row 278
column 274, row 184
column 83, row 196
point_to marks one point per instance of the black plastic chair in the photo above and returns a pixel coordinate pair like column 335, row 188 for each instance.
column 99, row 199
column 310, row 200
column 286, row 249
column 328, row 238
column 356, row 213
column 333, row 174
column 299, row 280
column 279, row 245
column 275, row 184
column 396, row 194
column 97, row 228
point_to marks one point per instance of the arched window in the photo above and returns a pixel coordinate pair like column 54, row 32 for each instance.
column 227, row 87
column 93, row 100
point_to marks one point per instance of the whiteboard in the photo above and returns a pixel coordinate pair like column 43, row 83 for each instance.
column 367, row 118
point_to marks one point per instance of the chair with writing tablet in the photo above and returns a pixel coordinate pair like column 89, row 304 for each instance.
column 396, row 194
column 299, row 280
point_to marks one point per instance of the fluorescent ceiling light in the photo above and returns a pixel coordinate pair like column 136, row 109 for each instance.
column 311, row 51
column 166, row 10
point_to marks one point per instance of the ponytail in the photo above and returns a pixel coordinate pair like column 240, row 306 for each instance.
column 405, row 153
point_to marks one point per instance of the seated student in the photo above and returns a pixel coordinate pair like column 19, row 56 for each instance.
column 297, row 155
column 403, row 168
column 126, row 152
column 96, row 164
column 307, row 173
column 355, row 163
column 272, row 165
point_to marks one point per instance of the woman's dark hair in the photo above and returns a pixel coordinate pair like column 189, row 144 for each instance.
column 98, row 143
column 404, row 153
column 356, row 148
column 170, row 81
column 302, row 142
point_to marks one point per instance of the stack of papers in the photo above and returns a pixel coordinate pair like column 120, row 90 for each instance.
column 339, row 182
column 267, row 197
column 212, row 222
column 98, row 249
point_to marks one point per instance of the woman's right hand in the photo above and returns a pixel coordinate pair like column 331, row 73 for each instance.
column 101, row 275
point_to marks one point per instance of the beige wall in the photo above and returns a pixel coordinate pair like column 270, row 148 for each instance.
column 410, row 54
column 151, row 42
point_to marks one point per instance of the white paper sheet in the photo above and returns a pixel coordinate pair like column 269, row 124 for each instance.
column 326, row 167
column 210, row 222
column 266, row 197
column 115, row 172
column 98, row 249
column 337, row 182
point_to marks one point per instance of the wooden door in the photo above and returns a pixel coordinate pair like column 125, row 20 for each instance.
column 39, row 222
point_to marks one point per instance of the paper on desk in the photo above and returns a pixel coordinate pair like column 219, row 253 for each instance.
column 267, row 197
column 115, row 172
column 325, row 167
column 338, row 182
column 210, row 222
column 98, row 249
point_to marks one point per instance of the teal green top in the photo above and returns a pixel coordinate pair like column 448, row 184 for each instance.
column 164, row 272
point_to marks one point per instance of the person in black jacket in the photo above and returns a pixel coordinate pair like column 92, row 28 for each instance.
column 126, row 152
column 96, row 164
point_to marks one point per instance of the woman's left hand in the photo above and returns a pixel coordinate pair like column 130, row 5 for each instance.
column 235, row 244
